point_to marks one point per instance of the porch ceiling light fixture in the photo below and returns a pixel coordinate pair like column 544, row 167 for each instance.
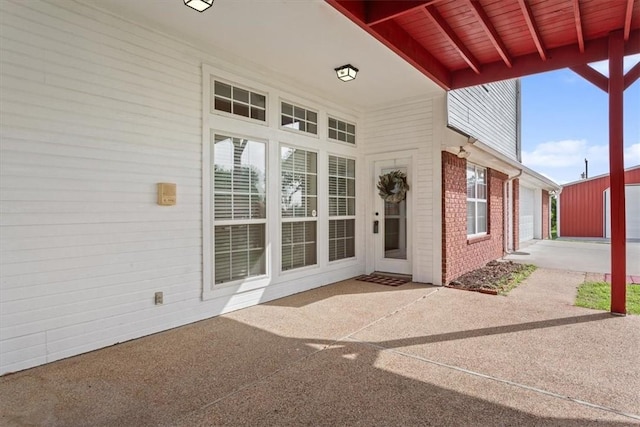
column 346, row 72
column 472, row 140
column 463, row 154
column 199, row 5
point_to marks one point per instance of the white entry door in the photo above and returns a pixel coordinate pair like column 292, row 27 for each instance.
column 392, row 223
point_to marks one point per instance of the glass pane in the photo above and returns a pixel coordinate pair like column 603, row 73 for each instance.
column 286, row 121
column 241, row 109
column 297, row 256
column 471, row 183
column 351, row 139
column 287, row 109
column 240, row 95
column 312, row 117
column 222, row 206
column 222, row 238
column 312, row 205
column 482, row 217
column 310, row 254
column 332, row 123
column 256, row 236
column 257, row 113
column 222, row 89
column 333, row 206
column 239, row 237
column 395, row 231
column 299, row 113
column 350, row 248
column 223, row 267
column 241, row 206
column 311, row 162
column 333, row 134
column 471, row 218
column 351, row 129
column 222, row 104
column 351, row 206
column 239, row 265
column 342, row 126
column 258, row 100
column 257, row 263
column 311, row 128
column 351, row 187
column 351, row 168
column 309, row 231
column 332, row 250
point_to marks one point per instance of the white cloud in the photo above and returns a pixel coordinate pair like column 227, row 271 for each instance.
column 556, row 154
column 632, row 155
column 563, row 161
column 628, row 62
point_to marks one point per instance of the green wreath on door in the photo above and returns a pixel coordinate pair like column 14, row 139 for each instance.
column 393, row 187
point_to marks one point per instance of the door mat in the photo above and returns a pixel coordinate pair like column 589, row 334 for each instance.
column 383, row 280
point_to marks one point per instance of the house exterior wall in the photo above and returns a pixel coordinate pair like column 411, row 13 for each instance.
column 488, row 112
column 97, row 111
column 461, row 254
column 409, row 127
column 582, row 205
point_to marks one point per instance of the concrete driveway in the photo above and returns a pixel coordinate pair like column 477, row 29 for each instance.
column 361, row 354
column 586, row 256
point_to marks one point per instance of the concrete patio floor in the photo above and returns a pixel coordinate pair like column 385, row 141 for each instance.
column 356, row 353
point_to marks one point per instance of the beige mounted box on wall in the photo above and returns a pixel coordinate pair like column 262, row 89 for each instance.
column 166, row 194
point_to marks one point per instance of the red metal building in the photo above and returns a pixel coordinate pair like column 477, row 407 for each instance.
column 582, row 205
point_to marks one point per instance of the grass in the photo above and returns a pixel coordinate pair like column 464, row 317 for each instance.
column 597, row 295
column 506, row 284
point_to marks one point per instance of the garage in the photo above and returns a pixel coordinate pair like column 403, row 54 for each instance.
column 527, row 197
column 632, row 203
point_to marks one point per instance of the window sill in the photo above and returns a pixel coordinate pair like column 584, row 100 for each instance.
column 477, row 239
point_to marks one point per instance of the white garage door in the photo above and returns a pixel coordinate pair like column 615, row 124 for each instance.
column 526, row 213
column 632, row 202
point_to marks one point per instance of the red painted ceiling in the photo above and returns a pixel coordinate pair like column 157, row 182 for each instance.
column 460, row 43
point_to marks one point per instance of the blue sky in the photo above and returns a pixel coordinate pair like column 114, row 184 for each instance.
column 565, row 120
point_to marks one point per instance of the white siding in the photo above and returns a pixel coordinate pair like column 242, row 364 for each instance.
column 487, row 112
column 96, row 111
column 410, row 127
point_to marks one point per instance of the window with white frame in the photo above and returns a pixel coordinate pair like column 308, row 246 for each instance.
column 342, row 131
column 239, row 208
column 298, row 118
column 299, row 204
column 476, row 200
column 342, row 207
column 241, row 102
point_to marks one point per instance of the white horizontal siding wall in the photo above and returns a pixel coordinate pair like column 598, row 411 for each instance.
column 95, row 112
column 487, row 112
column 410, row 127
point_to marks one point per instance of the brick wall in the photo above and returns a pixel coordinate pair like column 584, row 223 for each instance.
column 546, row 231
column 459, row 254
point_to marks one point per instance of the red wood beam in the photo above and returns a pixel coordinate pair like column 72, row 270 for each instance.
column 383, row 10
column 591, row 75
column 627, row 20
column 561, row 57
column 533, row 28
column 632, row 75
column 491, row 32
column 616, row 173
column 578, row 19
column 432, row 13
column 399, row 41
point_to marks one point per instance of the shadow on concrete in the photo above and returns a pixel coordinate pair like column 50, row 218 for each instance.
column 221, row 371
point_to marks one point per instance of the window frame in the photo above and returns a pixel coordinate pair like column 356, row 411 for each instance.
column 346, row 217
column 213, row 286
column 212, row 110
column 298, row 219
column 346, row 122
column 298, row 131
column 476, row 200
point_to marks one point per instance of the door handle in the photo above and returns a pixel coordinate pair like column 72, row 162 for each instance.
column 375, row 226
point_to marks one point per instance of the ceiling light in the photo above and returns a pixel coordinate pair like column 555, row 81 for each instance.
column 463, row 154
column 472, row 140
column 346, row 72
column 199, row 5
